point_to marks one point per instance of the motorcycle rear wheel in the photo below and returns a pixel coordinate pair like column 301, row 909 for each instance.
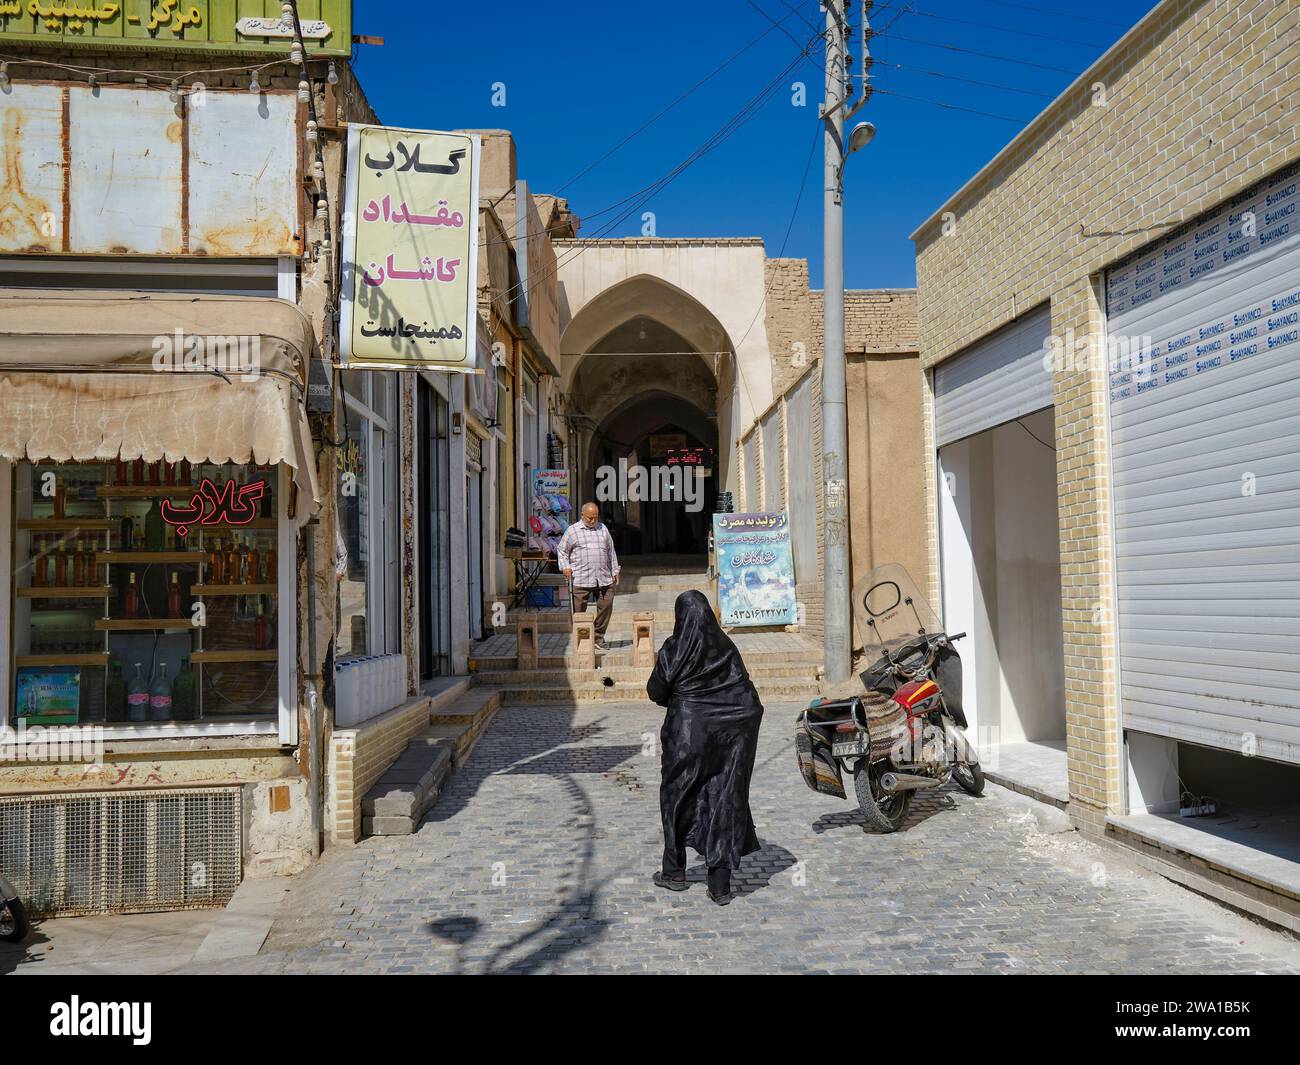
column 886, row 813
column 14, row 924
column 970, row 777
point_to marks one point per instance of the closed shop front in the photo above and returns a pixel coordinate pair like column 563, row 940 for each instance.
column 1205, row 470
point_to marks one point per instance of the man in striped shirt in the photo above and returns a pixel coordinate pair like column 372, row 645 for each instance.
column 586, row 555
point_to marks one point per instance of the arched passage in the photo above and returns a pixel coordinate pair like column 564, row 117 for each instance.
column 648, row 370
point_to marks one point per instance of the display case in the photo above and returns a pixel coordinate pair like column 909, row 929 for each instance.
column 144, row 593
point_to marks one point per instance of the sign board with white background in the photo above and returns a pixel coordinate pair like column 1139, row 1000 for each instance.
column 410, row 250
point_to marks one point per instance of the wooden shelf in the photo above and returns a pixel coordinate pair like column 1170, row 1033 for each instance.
column 93, row 592
column 233, row 589
column 235, row 656
column 59, row 524
column 223, row 527
column 143, row 624
column 143, row 558
column 97, row 658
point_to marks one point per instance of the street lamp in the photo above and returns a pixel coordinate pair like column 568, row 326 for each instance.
column 861, row 136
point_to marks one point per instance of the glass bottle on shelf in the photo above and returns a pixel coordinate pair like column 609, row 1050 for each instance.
column 186, row 472
column 79, row 564
column 119, row 471
column 131, row 600
column 137, row 696
column 153, row 527
column 253, row 575
column 40, row 562
column 115, row 696
column 261, row 629
column 268, row 565
column 61, row 565
column 137, row 470
column 160, row 696
column 155, row 473
column 216, row 562
column 183, row 706
column 232, row 563
column 173, row 598
column 127, row 538
column 169, row 473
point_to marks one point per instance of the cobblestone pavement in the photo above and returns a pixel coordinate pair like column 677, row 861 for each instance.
column 538, row 859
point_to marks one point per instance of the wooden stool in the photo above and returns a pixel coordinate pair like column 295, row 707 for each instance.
column 584, row 641
column 643, row 638
column 526, row 649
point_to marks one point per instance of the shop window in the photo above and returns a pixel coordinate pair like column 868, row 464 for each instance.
column 369, row 607
column 145, row 594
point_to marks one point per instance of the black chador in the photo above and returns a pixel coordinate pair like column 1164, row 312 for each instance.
column 709, row 738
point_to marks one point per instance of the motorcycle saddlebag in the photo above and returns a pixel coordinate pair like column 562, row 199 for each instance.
column 819, row 770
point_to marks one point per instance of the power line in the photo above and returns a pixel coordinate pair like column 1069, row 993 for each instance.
column 650, row 122
column 971, row 51
column 953, row 107
column 969, row 81
column 999, row 29
column 1057, row 14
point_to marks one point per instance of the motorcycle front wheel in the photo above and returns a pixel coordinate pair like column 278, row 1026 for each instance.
column 14, row 924
column 970, row 777
column 884, row 812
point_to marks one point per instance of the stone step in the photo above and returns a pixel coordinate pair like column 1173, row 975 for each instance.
column 806, row 661
column 528, row 695
column 397, row 804
column 552, row 676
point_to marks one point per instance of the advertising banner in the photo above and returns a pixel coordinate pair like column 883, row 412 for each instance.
column 755, row 569
column 410, row 250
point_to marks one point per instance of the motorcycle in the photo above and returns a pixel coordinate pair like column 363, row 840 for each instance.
column 907, row 732
column 14, row 924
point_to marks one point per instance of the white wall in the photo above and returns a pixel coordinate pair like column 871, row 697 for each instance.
column 1001, row 579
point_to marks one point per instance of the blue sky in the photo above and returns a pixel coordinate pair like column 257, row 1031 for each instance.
column 581, row 77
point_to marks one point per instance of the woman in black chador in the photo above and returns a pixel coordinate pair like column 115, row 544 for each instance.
column 709, row 738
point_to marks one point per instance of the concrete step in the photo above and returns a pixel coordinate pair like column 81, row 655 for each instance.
column 774, row 690
column 554, row 676
column 396, row 805
column 411, row 786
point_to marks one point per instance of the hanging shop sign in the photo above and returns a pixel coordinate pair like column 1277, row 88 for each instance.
column 410, row 250
column 755, row 569
column 184, row 25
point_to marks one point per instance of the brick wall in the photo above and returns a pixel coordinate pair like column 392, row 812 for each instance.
column 1199, row 103
column 359, row 756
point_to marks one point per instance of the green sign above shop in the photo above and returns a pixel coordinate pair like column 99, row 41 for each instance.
column 254, row 26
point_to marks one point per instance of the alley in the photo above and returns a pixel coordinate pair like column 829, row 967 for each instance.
column 538, row 858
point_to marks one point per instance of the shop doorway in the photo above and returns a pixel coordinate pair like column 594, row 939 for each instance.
column 1000, row 558
column 474, row 538
column 435, row 533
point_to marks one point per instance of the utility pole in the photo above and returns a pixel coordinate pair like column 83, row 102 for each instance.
column 835, row 444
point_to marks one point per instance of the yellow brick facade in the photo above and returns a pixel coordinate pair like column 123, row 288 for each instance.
column 1192, row 106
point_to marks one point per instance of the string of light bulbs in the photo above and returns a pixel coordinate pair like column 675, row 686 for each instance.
column 169, row 80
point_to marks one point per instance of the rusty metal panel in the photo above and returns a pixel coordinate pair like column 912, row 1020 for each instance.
column 117, row 171
column 243, row 189
column 31, row 184
column 125, row 173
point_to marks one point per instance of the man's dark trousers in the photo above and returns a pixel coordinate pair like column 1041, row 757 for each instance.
column 604, row 599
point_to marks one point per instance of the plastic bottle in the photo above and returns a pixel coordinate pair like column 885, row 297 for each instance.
column 173, row 598
column 160, row 696
column 137, row 695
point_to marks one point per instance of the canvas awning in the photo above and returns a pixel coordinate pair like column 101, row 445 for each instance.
column 90, row 375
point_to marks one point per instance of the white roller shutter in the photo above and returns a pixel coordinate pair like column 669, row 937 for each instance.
column 1205, row 469
column 994, row 380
